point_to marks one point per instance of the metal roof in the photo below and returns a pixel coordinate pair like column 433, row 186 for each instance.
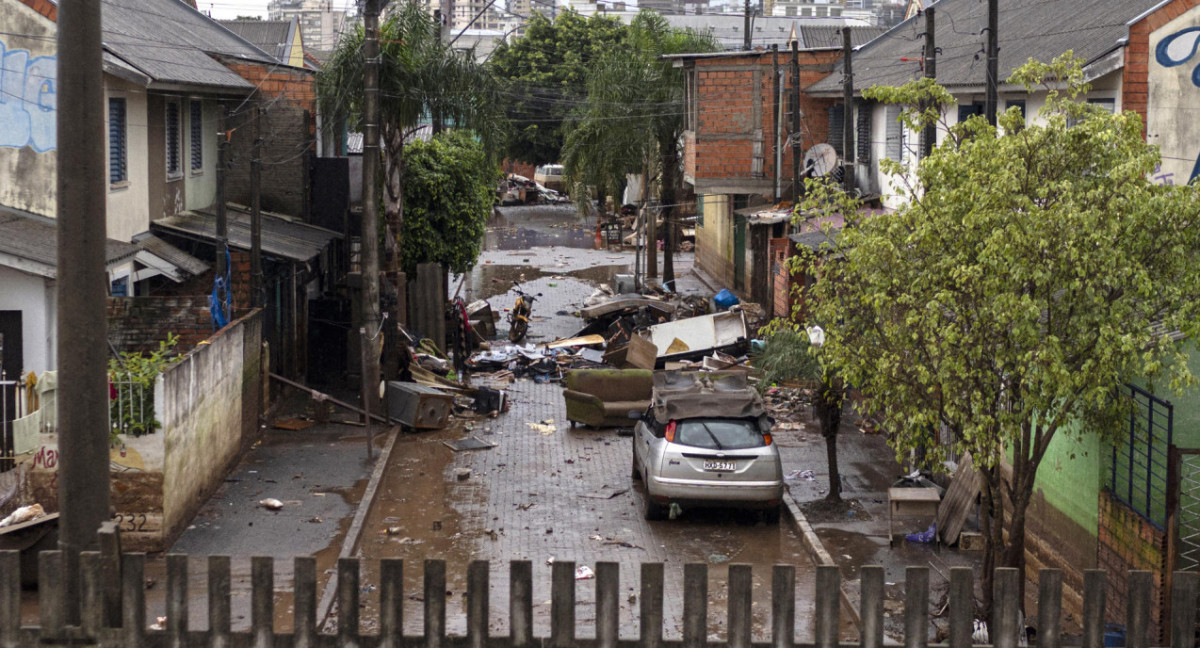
column 282, row 237
column 172, row 261
column 174, row 44
column 30, row 243
column 815, row 239
column 271, row 36
column 1038, row 29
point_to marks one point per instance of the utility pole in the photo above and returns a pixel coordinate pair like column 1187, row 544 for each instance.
column 222, row 242
column 256, row 273
column 370, row 212
column 847, row 112
column 993, row 61
column 930, row 73
column 794, row 136
column 775, row 99
column 651, row 225
column 83, row 479
column 746, row 41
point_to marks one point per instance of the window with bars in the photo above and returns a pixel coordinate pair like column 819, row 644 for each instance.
column 835, row 128
column 118, row 166
column 174, row 163
column 196, row 134
column 894, row 134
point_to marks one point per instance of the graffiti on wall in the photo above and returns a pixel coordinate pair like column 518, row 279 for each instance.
column 28, row 98
column 1175, row 50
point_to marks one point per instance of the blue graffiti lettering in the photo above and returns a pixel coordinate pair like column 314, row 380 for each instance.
column 1177, row 49
column 28, row 100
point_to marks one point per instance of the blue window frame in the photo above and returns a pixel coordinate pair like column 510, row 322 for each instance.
column 118, row 167
column 196, row 133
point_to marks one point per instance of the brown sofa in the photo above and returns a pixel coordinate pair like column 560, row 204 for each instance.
column 604, row 397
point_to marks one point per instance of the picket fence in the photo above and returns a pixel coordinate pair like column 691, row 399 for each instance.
column 113, row 611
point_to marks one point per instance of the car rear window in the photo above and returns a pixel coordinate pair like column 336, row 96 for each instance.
column 719, row 434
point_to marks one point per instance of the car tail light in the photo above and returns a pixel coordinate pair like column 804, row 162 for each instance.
column 671, row 431
column 767, row 439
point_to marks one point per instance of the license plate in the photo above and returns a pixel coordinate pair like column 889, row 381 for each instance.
column 720, row 465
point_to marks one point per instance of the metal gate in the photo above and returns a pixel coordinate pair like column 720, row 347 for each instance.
column 1187, row 554
column 1138, row 477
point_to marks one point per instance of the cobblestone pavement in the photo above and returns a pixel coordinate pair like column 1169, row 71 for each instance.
column 539, row 496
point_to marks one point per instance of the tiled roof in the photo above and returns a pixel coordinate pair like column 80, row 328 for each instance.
column 1039, row 29
column 174, row 44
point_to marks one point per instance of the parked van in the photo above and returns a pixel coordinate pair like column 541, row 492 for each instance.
column 549, row 176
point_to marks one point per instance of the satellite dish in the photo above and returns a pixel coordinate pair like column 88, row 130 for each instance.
column 820, row 159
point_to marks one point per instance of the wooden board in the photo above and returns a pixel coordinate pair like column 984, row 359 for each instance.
column 642, row 352
column 583, row 340
column 959, row 500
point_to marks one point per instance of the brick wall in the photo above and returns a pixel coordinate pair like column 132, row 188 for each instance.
column 138, row 324
column 44, row 7
column 287, row 98
column 1135, row 76
column 735, row 96
column 1127, row 541
column 518, row 167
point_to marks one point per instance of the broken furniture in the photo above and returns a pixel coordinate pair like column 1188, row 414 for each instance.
column 915, row 502
column 418, row 406
column 31, row 538
column 604, row 397
column 696, row 337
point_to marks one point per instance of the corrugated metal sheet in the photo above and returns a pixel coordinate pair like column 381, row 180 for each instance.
column 1028, row 28
column 36, row 239
column 271, row 36
column 830, row 36
column 281, row 236
column 172, row 255
column 171, row 43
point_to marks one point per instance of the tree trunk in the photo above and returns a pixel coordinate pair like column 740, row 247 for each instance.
column 393, row 287
column 827, row 405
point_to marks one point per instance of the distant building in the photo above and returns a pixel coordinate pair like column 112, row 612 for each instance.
column 320, row 24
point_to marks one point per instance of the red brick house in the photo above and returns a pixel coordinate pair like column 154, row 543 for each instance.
column 738, row 156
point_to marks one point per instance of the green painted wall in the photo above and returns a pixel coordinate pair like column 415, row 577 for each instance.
column 1069, row 477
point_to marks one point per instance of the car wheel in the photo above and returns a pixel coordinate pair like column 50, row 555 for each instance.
column 771, row 515
column 654, row 510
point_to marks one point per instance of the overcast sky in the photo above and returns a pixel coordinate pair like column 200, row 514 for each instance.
column 230, row 9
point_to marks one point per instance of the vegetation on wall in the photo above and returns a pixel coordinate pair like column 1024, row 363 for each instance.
column 131, row 378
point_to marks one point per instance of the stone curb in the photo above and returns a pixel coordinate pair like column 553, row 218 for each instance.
column 816, row 548
column 356, row 526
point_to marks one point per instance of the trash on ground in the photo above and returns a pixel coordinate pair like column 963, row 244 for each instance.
column 271, row 504
column 462, row 474
column 924, row 537
column 468, row 443
column 717, row 558
column 293, row 424
column 604, row 492
column 806, row 475
column 23, row 514
column 545, row 428
column 583, row 572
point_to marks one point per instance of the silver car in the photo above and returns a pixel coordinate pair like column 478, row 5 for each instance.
column 690, row 452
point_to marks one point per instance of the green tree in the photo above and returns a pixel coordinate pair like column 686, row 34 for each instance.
column 634, row 116
column 1033, row 271
column 449, row 193
column 423, row 83
column 544, row 73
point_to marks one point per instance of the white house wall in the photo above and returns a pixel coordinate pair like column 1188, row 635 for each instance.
column 1173, row 110
column 201, row 186
column 889, row 187
column 129, row 201
column 34, row 297
column 28, row 137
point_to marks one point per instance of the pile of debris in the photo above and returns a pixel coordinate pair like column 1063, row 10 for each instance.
column 519, row 190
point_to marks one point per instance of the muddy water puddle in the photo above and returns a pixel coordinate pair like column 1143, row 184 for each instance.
column 525, row 227
column 486, row 281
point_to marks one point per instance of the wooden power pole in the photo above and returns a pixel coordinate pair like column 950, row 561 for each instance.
column 847, row 111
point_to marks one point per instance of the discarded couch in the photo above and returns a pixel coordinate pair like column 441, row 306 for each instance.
column 604, row 397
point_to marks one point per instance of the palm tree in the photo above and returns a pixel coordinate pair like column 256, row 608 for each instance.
column 634, row 116
column 424, row 83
